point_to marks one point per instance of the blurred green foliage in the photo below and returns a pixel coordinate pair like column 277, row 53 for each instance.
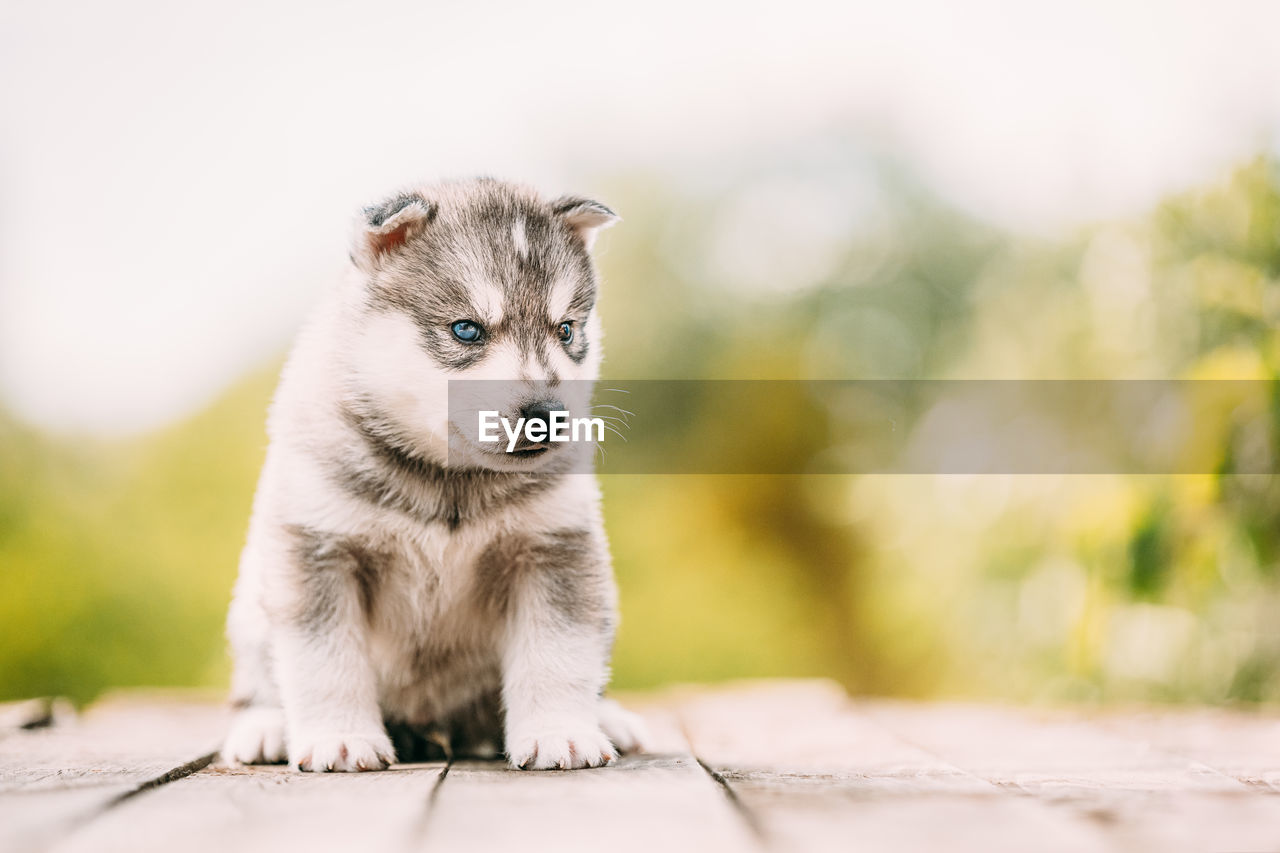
column 118, row 557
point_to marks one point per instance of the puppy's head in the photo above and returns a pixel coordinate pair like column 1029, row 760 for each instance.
column 480, row 281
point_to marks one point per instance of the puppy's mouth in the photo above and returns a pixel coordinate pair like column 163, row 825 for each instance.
column 524, row 456
column 528, row 451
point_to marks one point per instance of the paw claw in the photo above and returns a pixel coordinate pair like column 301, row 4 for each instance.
column 559, row 747
column 344, row 753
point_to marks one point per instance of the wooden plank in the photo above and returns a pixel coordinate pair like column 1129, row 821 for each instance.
column 819, row 773
column 663, row 800
column 1052, row 752
column 1186, row 822
column 838, row 818
column 1244, row 746
column 1137, row 794
column 53, row 779
column 645, row 803
column 807, row 729
column 268, row 808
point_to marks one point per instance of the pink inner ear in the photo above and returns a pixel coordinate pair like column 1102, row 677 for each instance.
column 392, row 239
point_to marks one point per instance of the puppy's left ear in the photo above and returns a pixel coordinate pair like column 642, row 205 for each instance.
column 384, row 228
column 584, row 216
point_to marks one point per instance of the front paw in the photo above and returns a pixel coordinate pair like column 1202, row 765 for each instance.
column 559, row 746
column 340, row 752
column 256, row 737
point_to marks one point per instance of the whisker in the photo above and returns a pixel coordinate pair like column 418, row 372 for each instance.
column 618, row 418
column 623, row 419
column 615, row 408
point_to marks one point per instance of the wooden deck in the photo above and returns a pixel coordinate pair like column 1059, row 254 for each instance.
column 760, row 766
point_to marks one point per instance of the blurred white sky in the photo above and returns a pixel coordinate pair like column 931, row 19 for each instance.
column 176, row 180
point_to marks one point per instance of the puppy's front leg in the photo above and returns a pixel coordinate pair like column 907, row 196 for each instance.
column 560, row 616
column 333, row 720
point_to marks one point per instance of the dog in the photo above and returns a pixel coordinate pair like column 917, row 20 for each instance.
column 399, row 578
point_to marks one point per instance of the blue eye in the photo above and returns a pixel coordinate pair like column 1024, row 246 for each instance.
column 467, row 331
column 566, row 333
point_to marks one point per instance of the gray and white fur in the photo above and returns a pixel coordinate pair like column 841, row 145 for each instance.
column 388, row 586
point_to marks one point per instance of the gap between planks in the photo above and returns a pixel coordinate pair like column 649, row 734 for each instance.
column 748, row 816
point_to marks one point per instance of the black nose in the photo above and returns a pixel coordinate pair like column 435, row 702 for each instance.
column 540, row 410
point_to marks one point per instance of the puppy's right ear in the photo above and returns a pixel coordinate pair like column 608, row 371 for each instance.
column 384, row 228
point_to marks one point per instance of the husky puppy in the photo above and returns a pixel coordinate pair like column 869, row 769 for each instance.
column 389, row 581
